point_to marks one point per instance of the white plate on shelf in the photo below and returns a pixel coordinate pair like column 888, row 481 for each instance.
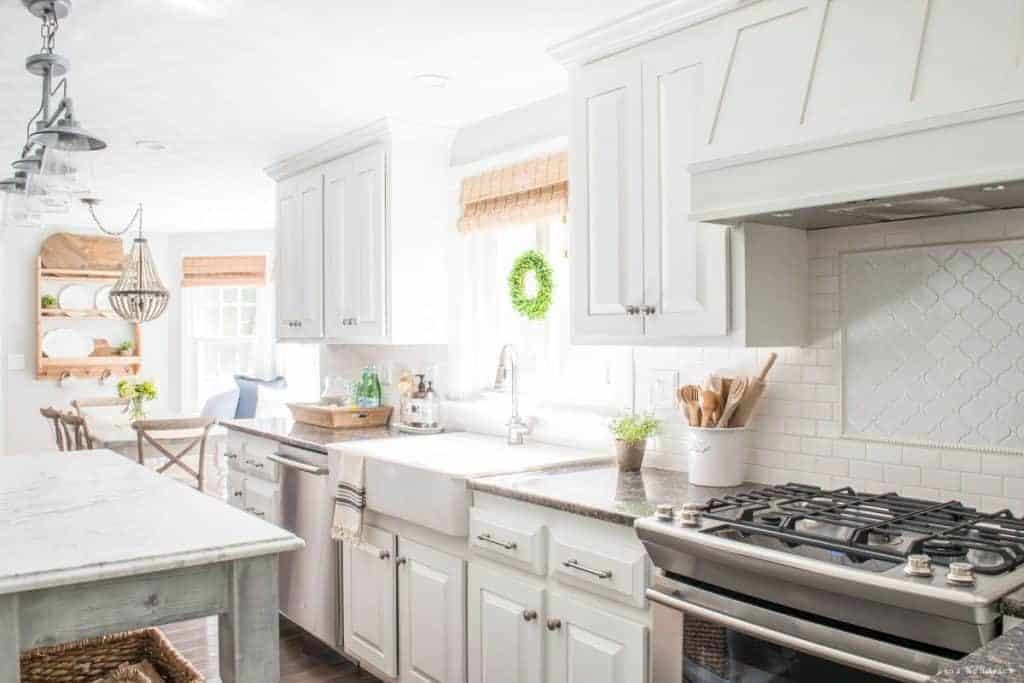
column 103, row 298
column 74, row 298
column 65, row 343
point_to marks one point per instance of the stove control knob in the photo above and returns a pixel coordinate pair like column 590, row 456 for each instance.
column 960, row 573
column 918, row 565
column 665, row 513
column 689, row 515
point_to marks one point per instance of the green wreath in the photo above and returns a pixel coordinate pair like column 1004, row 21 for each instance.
column 537, row 307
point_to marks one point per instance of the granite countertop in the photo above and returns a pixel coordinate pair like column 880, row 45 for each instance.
column 1001, row 661
column 306, row 436
column 601, row 491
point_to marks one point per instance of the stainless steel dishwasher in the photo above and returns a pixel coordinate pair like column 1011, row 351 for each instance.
column 309, row 577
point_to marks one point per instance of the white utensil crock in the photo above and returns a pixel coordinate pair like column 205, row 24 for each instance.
column 717, row 456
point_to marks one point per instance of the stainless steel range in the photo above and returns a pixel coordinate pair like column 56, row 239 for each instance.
column 796, row 583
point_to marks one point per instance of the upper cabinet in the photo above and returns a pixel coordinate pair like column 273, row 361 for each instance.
column 642, row 271
column 361, row 226
column 300, row 250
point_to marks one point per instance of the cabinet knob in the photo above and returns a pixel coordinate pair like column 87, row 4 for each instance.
column 632, row 310
column 649, row 310
column 237, row 494
column 529, row 614
column 554, row 624
column 400, row 561
column 384, row 554
column 231, row 456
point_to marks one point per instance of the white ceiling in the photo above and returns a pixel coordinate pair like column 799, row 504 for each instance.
column 233, row 85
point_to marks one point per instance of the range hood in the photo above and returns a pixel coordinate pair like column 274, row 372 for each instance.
column 962, row 164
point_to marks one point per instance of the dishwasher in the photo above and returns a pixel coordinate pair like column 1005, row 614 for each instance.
column 308, row 578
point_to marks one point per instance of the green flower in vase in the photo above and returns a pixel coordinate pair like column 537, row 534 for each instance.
column 138, row 394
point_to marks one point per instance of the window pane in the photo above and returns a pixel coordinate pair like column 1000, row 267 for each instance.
column 229, row 327
column 230, row 295
column 248, row 326
column 249, row 295
column 209, row 321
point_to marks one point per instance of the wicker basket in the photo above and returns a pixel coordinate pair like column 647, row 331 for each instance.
column 85, row 661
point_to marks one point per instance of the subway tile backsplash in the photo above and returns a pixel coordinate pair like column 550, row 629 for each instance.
column 796, row 436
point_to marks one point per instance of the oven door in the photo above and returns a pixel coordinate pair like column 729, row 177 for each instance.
column 702, row 636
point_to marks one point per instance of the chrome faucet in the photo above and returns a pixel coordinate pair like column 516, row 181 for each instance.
column 508, row 375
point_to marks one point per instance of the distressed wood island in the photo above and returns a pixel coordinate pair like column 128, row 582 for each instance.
column 91, row 543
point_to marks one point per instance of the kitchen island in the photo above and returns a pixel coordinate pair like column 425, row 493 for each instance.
column 95, row 544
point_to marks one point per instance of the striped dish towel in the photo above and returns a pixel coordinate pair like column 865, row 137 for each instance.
column 350, row 500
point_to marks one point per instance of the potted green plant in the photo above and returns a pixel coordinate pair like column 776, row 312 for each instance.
column 631, row 434
column 48, row 301
column 137, row 394
column 125, row 348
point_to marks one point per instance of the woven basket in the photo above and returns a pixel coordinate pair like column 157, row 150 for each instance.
column 85, row 661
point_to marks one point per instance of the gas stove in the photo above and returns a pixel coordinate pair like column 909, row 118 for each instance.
column 893, row 568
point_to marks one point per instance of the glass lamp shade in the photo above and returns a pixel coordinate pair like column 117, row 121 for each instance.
column 139, row 295
column 62, row 173
column 67, row 135
column 19, row 212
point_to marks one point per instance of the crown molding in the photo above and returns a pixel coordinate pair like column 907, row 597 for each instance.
column 640, row 27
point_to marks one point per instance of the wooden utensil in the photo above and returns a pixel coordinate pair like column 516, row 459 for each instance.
column 689, row 396
column 752, row 394
column 710, row 407
column 737, row 387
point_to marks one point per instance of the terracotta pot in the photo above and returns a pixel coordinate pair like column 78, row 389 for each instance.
column 630, row 454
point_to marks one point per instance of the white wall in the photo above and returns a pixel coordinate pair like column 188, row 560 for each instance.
column 514, row 130
column 26, row 430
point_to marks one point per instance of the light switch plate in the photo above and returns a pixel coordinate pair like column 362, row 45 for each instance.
column 15, row 361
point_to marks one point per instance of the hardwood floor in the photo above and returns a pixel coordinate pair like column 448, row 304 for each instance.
column 304, row 659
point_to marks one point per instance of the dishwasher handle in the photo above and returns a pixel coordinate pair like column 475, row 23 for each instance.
column 297, row 465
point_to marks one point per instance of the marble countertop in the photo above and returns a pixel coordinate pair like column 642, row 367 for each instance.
column 306, row 436
column 96, row 515
column 601, row 491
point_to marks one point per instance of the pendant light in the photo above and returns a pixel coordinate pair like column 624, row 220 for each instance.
column 138, row 295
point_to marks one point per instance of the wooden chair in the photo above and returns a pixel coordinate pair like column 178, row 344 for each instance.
column 76, row 433
column 53, row 415
column 102, row 402
column 145, row 429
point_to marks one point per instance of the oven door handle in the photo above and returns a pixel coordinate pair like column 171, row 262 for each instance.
column 810, row 647
column 296, row 465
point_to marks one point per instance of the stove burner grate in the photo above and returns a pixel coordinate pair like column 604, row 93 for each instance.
column 884, row 526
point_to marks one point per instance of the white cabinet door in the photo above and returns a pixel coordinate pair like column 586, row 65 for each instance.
column 337, row 240
column 363, row 254
column 505, row 628
column 686, row 274
column 299, row 274
column 431, row 615
column 369, row 601
column 607, row 202
column 587, row 645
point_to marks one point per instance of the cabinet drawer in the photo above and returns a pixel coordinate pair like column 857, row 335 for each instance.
column 263, row 500
column 253, row 459
column 522, row 545
column 619, row 576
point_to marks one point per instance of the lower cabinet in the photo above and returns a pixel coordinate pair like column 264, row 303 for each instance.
column 516, row 634
column 369, row 601
column 431, row 615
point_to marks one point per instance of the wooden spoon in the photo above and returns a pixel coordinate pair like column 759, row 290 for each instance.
column 689, row 395
column 710, row 407
column 737, row 388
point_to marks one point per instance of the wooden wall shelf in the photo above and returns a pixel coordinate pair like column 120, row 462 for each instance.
column 91, row 366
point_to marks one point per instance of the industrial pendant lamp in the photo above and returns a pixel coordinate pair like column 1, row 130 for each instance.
column 56, row 127
column 138, row 295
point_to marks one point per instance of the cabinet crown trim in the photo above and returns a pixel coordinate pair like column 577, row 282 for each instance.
column 640, row 27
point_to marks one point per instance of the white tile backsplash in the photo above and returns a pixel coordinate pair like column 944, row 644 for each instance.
column 796, row 436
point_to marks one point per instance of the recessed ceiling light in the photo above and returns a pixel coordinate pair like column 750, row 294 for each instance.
column 432, row 80
column 150, row 145
column 993, row 188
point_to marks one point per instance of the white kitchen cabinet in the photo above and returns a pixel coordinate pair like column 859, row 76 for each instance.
column 382, row 216
column 588, row 645
column 642, row 271
column 506, row 628
column 606, row 159
column 431, row 615
column 354, row 235
column 299, row 264
column 369, row 605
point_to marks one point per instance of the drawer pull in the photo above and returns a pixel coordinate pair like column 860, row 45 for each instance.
column 237, row 494
column 231, row 456
column 507, row 545
column 529, row 615
column 599, row 573
column 554, row 624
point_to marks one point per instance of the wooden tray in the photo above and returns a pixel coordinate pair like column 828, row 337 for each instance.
column 338, row 417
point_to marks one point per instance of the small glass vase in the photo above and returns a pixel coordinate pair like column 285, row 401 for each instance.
column 137, row 409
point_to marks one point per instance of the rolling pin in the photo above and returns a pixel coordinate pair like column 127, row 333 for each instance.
column 751, row 397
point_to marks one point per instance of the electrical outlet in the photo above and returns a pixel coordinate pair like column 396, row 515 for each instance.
column 662, row 390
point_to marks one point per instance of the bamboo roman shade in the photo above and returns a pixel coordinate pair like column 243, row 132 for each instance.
column 224, row 271
column 530, row 191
